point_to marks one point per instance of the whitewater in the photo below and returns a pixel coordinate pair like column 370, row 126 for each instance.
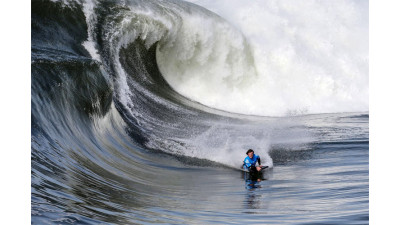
column 142, row 111
column 273, row 58
column 269, row 59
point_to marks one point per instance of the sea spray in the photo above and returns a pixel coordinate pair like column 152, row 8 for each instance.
column 90, row 44
column 278, row 57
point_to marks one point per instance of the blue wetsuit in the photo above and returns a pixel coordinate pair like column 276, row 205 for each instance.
column 248, row 162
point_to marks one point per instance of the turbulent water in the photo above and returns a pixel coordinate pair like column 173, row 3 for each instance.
column 142, row 111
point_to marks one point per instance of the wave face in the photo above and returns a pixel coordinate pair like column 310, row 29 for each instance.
column 142, row 110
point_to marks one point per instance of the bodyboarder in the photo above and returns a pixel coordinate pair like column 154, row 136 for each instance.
column 250, row 161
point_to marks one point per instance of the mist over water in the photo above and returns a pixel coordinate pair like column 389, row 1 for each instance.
column 272, row 58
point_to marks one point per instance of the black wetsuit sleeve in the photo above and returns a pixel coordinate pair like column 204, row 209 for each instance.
column 259, row 161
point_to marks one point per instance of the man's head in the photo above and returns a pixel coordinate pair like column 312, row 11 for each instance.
column 250, row 153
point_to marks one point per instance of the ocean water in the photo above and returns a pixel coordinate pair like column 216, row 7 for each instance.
column 142, row 112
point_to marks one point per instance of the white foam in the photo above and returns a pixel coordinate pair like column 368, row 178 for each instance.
column 202, row 55
column 277, row 58
column 90, row 44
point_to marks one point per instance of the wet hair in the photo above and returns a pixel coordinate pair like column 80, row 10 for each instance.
column 248, row 151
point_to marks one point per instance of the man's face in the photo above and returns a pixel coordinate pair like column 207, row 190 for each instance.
column 251, row 154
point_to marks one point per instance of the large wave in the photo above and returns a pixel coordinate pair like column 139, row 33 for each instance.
column 161, row 59
column 176, row 70
column 271, row 58
column 126, row 95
